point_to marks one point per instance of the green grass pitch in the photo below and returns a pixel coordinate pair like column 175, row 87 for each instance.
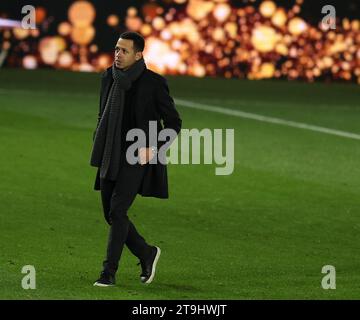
column 290, row 207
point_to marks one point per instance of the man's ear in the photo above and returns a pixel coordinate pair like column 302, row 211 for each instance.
column 138, row 55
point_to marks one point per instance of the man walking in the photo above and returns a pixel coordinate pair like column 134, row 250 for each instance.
column 131, row 96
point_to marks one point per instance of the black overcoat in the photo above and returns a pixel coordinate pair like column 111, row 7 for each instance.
column 151, row 102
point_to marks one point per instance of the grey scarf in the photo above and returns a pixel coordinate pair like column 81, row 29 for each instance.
column 106, row 149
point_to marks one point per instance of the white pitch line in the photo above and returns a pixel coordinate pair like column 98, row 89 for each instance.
column 254, row 116
column 231, row 112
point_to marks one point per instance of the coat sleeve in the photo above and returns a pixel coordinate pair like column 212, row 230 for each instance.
column 166, row 108
column 100, row 111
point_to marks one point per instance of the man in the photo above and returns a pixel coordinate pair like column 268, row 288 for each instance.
column 131, row 96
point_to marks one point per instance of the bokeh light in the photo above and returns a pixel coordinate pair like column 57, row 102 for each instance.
column 81, row 14
column 65, row 60
column 264, row 38
column 83, row 36
column 113, row 20
column 30, row 62
column 267, row 8
column 222, row 12
column 244, row 39
column 297, row 26
column 64, row 28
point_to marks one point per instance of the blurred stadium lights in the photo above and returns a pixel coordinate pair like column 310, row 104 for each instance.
column 252, row 39
column 4, row 24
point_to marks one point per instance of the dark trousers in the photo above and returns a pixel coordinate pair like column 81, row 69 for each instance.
column 117, row 197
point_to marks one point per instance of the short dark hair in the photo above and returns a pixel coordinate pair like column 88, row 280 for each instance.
column 139, row 42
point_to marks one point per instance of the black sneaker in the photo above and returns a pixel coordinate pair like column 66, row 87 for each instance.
column 148, row 266
column 106, row 280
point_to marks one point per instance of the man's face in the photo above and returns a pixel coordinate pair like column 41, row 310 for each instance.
column 125, row 55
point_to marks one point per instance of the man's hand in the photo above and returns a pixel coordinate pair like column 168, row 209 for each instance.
column 145, row 155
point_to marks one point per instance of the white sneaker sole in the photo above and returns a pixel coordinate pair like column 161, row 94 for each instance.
column 154, row 266
column 98, row 284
